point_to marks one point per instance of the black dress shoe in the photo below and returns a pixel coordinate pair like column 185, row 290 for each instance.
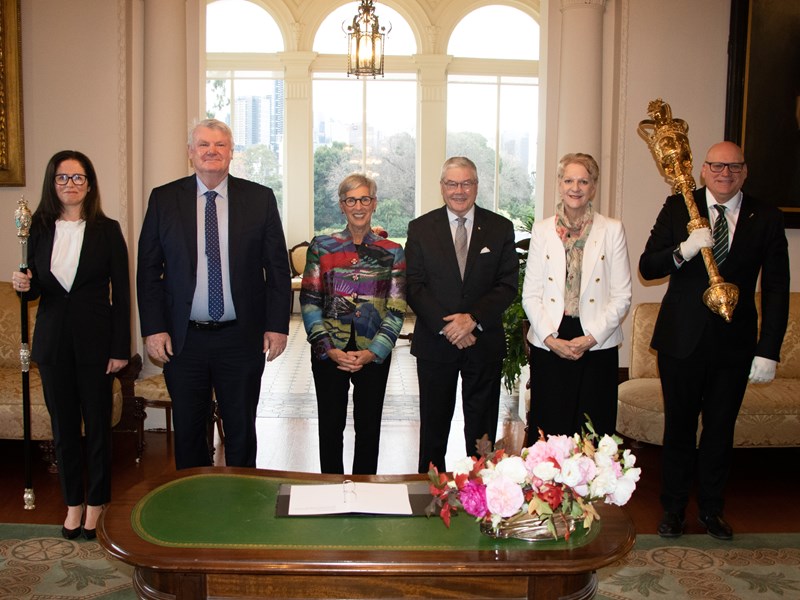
column 716, row 526
column 70, row 534
column 89, row 534
column 671, row 525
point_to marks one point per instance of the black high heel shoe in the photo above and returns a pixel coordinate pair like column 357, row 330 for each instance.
column 70, row 534
column 88, row 534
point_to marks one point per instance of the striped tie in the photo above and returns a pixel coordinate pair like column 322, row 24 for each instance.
column 720, row 235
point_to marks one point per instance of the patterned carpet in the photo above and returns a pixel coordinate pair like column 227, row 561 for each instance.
column 36, row 563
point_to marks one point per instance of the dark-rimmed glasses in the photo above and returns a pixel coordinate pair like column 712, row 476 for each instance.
column 77, row 178
column 364, row 200
column 464, row 185
column 719, row 167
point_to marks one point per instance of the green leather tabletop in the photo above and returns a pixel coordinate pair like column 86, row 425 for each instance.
column 239, row 511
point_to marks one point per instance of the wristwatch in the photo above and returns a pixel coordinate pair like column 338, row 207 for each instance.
column 677, row 254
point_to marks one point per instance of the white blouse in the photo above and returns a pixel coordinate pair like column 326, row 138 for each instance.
column 67, row 245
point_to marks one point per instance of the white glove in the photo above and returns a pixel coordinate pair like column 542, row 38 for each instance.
column 762, row 370
column 699, row 238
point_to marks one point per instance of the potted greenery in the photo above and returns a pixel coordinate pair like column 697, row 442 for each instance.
column 514, row 319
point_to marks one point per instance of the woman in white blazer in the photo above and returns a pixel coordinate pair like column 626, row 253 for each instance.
column 576, row 292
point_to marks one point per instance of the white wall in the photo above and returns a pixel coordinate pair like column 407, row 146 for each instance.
column 73, row 99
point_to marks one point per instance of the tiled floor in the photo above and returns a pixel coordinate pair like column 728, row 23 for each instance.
column 287, row 388
column 287, row 413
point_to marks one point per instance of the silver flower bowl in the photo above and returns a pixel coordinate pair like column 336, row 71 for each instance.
column 530, row 528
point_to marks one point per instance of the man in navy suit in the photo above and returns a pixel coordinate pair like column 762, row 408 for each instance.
column 705, row 362
column 214, row 291
column 462, row 273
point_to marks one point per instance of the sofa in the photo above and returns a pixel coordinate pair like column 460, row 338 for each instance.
column 770, row 413
column 11, row 421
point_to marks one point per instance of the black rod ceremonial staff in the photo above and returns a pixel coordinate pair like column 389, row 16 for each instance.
column 22, row 220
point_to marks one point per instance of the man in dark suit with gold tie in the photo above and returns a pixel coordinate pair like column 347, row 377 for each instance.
column 705, row 362
column 462, row 273
column 214, row 291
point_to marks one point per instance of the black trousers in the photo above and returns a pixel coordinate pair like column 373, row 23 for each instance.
column 563, row 391
column 214, row 361
column 702, row 383
column 480, row 396
column 76, row 393
column 369, row 388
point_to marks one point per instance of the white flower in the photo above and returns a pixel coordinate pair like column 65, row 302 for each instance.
column 545, row 470
column 513, row 467
column 607, row 446
column 624, row 488
column 603, row 484
column 628, row 459
column 464, row 466
column 576, row 472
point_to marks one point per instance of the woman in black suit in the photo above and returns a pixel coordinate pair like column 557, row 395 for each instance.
column 79, row 269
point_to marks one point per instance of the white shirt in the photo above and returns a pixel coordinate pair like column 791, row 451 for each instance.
column 732, row 208
column 67, row 244
column 453, row 218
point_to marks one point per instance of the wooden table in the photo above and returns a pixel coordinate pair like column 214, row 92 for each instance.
column 222, row 539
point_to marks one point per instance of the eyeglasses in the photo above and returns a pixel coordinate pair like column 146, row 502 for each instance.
column 77, row 178
column 719, row 167
column 467, row 185
column 364, row 200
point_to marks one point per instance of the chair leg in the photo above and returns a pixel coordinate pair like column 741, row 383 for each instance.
column 168, row 416
column 140, row 415
column 218, row 421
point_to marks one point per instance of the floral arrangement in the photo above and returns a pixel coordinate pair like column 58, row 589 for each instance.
column 558, row 478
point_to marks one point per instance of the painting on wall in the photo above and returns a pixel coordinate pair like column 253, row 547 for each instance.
column 763, row 104
column 12, row 147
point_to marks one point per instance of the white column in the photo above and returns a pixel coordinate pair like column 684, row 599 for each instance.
column 581, row 77
column 165, row 119
column 299, row 161
column 432, row 119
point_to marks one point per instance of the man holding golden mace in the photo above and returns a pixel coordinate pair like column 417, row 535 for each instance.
column 705, row 362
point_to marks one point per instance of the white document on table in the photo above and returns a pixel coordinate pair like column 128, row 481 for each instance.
column 349, row 497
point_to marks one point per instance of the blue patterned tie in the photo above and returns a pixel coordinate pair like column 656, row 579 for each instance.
column 216, row 302
column 720, row 235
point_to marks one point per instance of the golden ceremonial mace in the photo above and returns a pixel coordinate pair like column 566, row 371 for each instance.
column 669, row 144
column 22, row 220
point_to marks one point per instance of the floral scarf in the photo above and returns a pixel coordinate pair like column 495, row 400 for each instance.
column 573, row 236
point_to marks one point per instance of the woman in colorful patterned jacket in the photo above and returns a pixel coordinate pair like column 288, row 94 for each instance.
column 353, row 301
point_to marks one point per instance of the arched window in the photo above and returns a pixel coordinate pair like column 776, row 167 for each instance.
column 366, row 125
column 500, row 137
column 250, row 101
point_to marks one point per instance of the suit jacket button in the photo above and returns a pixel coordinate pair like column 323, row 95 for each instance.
column 597, row 280
column 591, row 300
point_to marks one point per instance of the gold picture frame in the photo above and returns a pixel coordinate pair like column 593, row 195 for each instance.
column 12, row 140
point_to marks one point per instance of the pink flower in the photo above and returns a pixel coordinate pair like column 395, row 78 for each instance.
column 561, row 447
column 503, row 497
column 473, row 498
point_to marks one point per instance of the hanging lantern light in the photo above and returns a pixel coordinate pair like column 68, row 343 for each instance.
column 365, row 38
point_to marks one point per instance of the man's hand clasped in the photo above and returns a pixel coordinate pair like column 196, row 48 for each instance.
column 458, row 330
